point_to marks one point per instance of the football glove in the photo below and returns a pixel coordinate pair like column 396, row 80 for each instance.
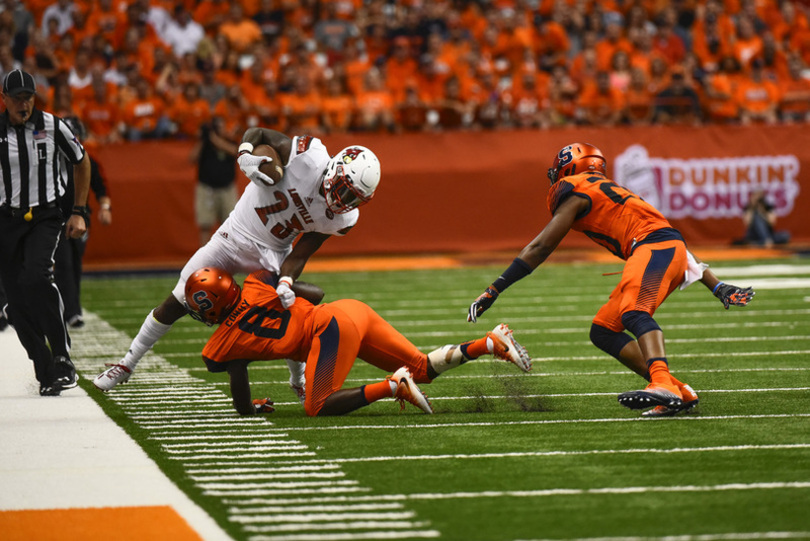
column 729, row 294
column 263, row 405
column 482, row 304
column 285, row 292
column 249, row 164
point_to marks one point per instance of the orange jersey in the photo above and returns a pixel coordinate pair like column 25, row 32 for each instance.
column 260, row 328
column 616, row 218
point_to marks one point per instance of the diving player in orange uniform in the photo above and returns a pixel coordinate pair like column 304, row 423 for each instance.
column 582, row 198
column 255, row 326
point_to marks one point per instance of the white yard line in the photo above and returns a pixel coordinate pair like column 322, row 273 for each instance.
column 742, row 536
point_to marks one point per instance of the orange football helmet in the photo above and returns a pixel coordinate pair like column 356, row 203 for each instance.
column 211, row 294
column 577, row 158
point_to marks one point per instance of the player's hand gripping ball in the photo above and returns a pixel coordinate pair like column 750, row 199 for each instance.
column 273, row 168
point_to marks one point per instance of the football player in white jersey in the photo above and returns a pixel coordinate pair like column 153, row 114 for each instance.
column 316, row 197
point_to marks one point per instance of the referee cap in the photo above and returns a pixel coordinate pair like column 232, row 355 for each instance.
column 19, row 82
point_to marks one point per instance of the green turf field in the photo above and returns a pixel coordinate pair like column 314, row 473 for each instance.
column 545, row 455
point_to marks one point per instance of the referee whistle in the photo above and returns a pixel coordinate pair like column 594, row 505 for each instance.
column 29, row 215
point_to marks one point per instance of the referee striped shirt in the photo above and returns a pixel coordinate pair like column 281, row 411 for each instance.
column 35, row 159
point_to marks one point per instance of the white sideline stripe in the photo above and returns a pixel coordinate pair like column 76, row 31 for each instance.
column 242, row 449
column 295, row 491
column 696, row 340
column 376, row 498
column 681, row 355
column 279, row 469
column 524, row 454
column 694, row 537
column 271, row 509
column 314, row 517
column 246, row 440
column 555, row 422
column 334, row 536
column 266, row 476
column 326, row 526
column 763, row 270
column 238, row 458
column 213, row 437
column 281, row 485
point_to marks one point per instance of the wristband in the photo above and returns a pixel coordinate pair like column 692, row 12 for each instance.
column 83, row 211
column 106, row 206
column 245, row 148
column 714, row 291
column 287, row 280
column 517, row 270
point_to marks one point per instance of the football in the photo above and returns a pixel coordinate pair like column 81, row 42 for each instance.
column 273, row 169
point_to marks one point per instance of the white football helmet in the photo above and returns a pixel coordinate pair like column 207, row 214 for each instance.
column 351, row 178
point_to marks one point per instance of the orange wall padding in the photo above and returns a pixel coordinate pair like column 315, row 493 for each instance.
column 477, row 191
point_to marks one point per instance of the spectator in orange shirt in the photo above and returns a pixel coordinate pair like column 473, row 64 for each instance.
column 412, row 112
column 400, row 69
column 711, row 44
column 794, row 105
column 355, row 66
column 553, row 44
column 189, row 111
column 638, row 110
column 100, row 112
column 720, row 89
column 303, row 107
column 613, row 41
column 108, row 21
column 240, row 31
column 757, row 97
column 563, row 93
column 337, row 107
column 529, row 104
column 452, row 111
column 430, row 80
column 210, row 14
column 144, row 116
column 375, row 105
column 748, row 44
column 601, row 104
column 233, row 109
column 668, row 43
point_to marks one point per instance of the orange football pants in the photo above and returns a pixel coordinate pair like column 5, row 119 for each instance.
column 348, row 329
column 649, row 276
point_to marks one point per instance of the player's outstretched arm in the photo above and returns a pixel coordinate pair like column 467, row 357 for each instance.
column 531, row 256
column 240, row 391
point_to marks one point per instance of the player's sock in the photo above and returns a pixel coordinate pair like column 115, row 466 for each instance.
column 151, row 331
column 380, row 390
column 451, row 356
column 659, row 370
column 297, row 372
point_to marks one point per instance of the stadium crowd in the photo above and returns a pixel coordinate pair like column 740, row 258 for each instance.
column 134, row 69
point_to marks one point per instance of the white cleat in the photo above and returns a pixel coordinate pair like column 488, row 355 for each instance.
column 407, row 391
column 115, row 374
column 508, row 349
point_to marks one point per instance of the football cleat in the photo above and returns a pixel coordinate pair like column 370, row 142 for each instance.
column 407, row 391
column 115, row 374
column 655, row 394
column 68, row 378
column 300, row 392
column 690, row 400
column 508, row 349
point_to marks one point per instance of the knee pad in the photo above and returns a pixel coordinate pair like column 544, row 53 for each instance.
column 639, row 323
column 611, row 342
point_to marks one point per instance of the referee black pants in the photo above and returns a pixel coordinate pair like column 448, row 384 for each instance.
column 26, row 269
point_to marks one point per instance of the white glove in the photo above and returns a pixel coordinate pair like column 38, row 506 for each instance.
column 249, row 164
column 285, row 292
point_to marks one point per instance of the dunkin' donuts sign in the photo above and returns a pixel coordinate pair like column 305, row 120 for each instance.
column 707, row 187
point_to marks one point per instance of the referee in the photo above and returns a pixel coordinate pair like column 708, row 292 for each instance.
column 36, row 148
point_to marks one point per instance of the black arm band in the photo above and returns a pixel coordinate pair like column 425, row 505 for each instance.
column 517, row 270
column 84, row 212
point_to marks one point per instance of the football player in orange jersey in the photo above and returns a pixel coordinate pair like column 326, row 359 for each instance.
column 255, row 326
column 582, row 198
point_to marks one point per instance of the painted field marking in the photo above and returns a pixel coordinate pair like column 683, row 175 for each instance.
column 528, row 454
column 740, row 536
column 554, row 422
